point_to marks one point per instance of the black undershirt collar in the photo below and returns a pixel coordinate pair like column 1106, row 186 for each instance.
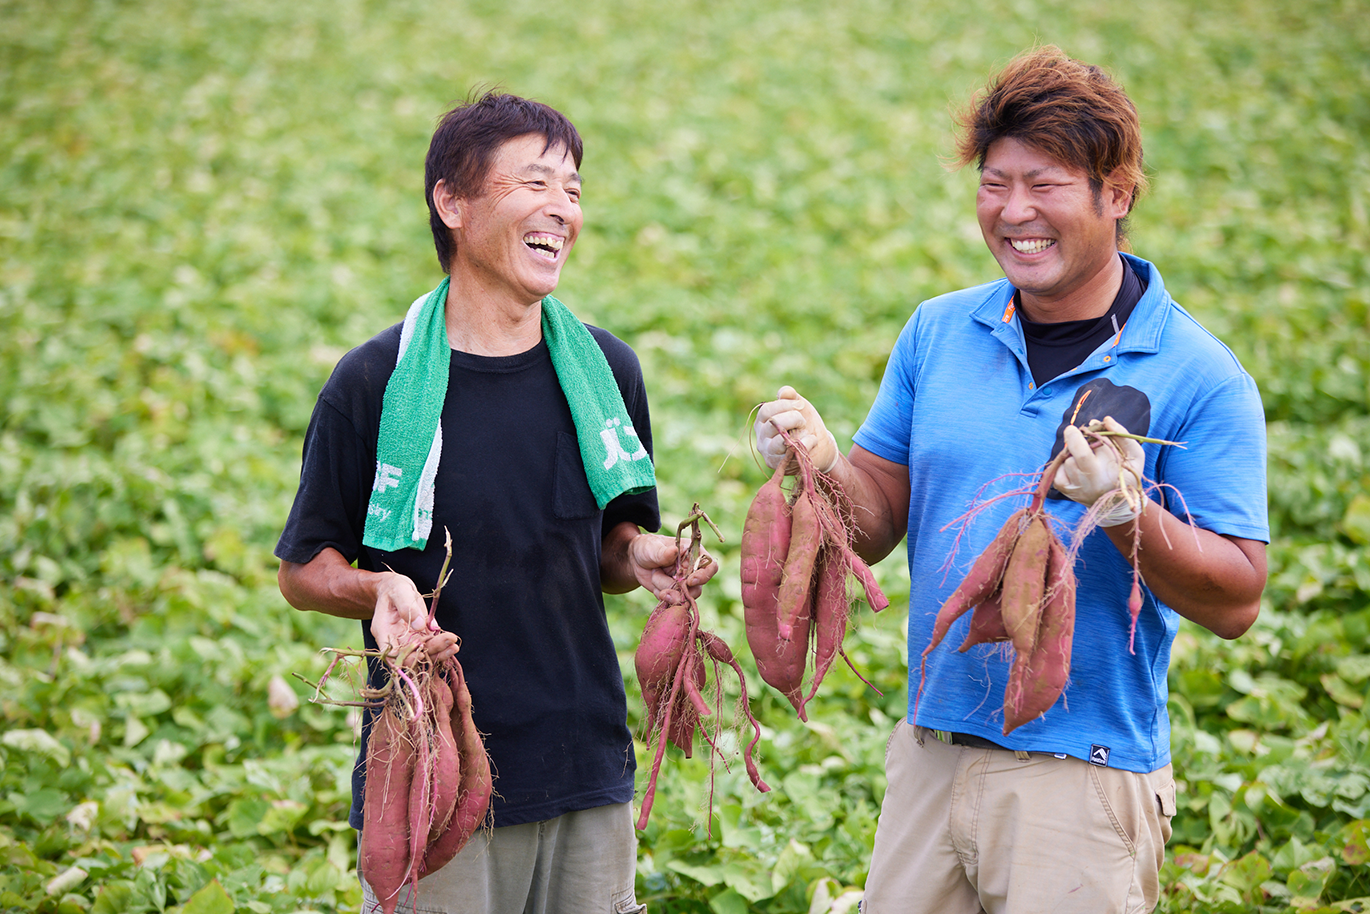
column 1055, row 348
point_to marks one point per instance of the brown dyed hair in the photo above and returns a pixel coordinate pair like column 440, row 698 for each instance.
column 1072, row 111
column 464, row 144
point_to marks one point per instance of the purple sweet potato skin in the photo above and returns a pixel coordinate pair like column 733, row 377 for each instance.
column 659, row 653
column 1038, row 679
column 829, row 616
column 806, row 536
column 766, row 536
column 1025, row 583
column 384, row 859
column 475, row 785
column 981, row 582
column 986, row 624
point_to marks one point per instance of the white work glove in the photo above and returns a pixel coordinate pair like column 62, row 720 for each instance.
column 1090, row 474
column 797, row 417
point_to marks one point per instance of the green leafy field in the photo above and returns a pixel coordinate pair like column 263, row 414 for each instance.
column 203, row 205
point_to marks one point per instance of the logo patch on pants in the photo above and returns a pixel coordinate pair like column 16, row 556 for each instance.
column 1098, row 755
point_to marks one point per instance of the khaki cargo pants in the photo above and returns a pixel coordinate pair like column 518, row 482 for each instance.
column 968, row 830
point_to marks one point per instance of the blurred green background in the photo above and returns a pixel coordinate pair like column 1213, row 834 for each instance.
column 203, row 205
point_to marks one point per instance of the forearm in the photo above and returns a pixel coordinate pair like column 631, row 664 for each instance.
column 1215, row 581
column 878, row 494
column 329, row 584
column 616, row 573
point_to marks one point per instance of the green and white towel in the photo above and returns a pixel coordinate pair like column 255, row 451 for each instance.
column 409, row 447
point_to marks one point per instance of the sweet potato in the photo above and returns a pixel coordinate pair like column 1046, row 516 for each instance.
column 384, row 856
column 837, row 535
column 829, row 616
column 765, row 546
column 806, row 536
column 670, row 665
column 446, row 760
column 984, row 578
column 689, row 705
column 421, row 787
column 875, row 597
column 1134, row 610
column 986, row 624
column 1038, row 679
column 818, row 522
column 428, row 779
column 718, row 649
column 475, row 784
column 1025, row 583
column 659, row 654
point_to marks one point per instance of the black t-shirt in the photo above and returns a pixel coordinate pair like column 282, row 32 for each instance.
column 525, row 595
column 1054, row 349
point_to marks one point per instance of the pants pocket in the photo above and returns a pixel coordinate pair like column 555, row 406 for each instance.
column 625, row 902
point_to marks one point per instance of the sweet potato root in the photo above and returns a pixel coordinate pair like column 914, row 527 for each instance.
column 986, row 624
column 829, row 617
column 659, row 654
column 1038, row 678
column 385, row 858
column 1032, row 601
column 475, row 786
column 794, row 603
column 813, row 568
column 428, row 778
column 766, row 535
column 985, row 578
column 1025, row 583
column 671, row 660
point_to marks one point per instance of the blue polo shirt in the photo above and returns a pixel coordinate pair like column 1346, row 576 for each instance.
column 958, row 407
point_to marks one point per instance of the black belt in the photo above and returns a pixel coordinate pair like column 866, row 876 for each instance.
column 974, row 742
column 971, row 741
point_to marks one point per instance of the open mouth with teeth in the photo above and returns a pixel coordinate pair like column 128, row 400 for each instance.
column 547, row 245
column 1031, row 245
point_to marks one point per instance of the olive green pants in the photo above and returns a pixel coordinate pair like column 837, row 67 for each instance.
column 966, row 830
column 582, row 862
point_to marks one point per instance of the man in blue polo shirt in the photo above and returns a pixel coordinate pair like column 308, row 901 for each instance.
column 1070, row 811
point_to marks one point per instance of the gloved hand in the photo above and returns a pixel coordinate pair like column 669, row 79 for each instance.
column 1089, row 474
column 798, row 417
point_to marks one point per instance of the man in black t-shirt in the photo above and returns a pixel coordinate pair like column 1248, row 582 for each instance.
column 535, row 543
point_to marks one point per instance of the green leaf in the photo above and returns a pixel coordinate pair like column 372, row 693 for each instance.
column 1246, row 873
column 749, row 878
column 281, row 817
column 1355, row 842
column 706, row 874
column 39, row 742
column 1306, row 883
column 212, row 899
column 43, row 805
column 1355, row 523
column 115, row 898
column 1342, row 693
column 1355, row 668
column 245, row 815
column 728, row 902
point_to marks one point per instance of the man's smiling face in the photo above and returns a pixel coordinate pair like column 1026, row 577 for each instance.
column 1052, row 234
column 516, row 234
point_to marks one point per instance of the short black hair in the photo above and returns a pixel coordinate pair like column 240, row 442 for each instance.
column 464, row 145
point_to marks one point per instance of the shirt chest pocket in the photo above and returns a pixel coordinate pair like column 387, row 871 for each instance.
column 571, row 495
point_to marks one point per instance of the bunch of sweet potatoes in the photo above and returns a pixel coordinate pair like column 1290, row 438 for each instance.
column 1022, row 590
column 428, row 778
column 796, row 556
column 672, row 661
